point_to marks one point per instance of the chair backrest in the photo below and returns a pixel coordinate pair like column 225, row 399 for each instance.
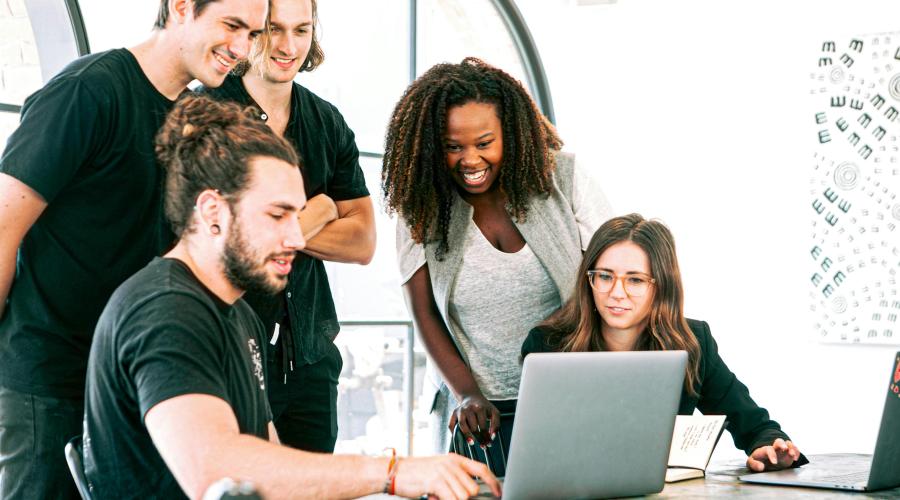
column 76, row 466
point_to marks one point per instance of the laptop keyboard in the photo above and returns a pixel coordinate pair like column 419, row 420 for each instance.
column 853, row 477
column 484, row 491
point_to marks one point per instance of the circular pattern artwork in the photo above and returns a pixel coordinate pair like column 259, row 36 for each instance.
column 894, row 87
column 846, row 176
column 854, row 204
column 836, row 75
column 839, row 304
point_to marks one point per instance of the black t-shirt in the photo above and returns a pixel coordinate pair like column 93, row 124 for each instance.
column 163, row 334
column 331, row 166
column 85, row 144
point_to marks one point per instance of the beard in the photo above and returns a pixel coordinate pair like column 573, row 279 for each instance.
column 245, row 269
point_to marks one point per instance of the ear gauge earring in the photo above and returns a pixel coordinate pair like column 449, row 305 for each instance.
column 214, row 229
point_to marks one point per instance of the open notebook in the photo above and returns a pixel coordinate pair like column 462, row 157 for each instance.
column 693, row 442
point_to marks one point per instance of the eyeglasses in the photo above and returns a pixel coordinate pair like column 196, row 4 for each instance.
column 635, row 285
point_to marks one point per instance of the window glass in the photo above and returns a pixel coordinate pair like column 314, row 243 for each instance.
column 450, row 30
column 372, row 291
column 8, row 123
column 112, row 24
column 366, row 68
column 372, row 397
column 366, row 44
column 20, row 68
column 372, row 391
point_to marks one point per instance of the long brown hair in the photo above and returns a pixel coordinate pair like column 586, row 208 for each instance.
column 415, row 180
column 261, row 49
column 576, row 326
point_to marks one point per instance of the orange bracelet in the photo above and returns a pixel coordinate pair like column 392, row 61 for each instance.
column 394, row 478
column 390, row 483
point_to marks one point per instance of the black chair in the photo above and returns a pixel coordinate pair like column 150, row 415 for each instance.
column 74, row 454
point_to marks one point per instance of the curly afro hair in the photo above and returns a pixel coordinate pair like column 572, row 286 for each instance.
column 415, row 180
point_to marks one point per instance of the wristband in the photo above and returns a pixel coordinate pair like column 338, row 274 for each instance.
column 390, row 482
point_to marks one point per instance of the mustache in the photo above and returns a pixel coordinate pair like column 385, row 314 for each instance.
column 282, row 255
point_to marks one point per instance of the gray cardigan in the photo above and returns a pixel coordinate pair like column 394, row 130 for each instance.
column 552, row 232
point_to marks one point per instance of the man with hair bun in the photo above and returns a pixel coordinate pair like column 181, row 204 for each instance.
column 80, row 195
column 338, row 221
column 176, row 393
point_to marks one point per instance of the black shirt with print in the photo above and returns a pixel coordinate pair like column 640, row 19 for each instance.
column 162, row 335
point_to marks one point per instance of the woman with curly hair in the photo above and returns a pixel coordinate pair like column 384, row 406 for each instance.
column 628, row 296
column 493, row 219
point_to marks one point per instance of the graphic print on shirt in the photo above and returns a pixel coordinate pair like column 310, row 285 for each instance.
column 256, row 357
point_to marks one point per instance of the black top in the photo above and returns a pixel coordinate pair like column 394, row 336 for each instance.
column 720, row 392
column 85, row 144
column 330, row 165
column 163, row 334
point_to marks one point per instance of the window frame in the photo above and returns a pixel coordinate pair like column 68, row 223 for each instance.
column 61, row 37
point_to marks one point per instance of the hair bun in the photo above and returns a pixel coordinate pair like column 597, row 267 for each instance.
column 208, row 144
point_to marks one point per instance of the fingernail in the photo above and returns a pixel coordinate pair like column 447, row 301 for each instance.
column 493, row 435
column 489, row 445
column 470, row 441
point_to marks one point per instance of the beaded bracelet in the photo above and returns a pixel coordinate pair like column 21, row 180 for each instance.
column 390, row 482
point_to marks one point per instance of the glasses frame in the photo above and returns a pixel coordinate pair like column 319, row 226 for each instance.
column 591, row 272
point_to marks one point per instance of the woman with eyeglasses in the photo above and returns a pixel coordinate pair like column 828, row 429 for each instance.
column 493, row 220
column 629, row 297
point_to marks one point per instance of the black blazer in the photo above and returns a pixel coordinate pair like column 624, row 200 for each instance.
column 719, row 392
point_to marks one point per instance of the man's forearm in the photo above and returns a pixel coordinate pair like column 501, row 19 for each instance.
column 318, row 213
column 343, row 240
column 281, row 472
column 350, row 238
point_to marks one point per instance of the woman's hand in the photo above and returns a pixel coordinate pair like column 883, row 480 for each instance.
column 780, row 455
column 478, row 419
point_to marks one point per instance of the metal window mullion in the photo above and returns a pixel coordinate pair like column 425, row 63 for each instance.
column 531, row 60
column 78, row 28
column 10, row 108
column 59, row 33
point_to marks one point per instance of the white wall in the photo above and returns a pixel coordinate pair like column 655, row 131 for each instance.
column 697, row 112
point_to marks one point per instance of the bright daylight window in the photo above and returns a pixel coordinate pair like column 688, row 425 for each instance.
column 367, row 44
column 20, row 70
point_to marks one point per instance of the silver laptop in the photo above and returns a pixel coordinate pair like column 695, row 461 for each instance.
column 852, row 472
column 592, row 425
